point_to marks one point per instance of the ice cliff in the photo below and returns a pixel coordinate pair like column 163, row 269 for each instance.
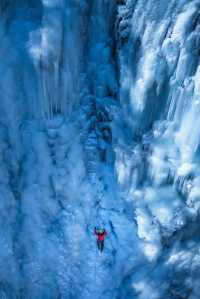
column 99, row 125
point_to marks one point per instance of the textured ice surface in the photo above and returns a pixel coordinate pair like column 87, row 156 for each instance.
column 99, row 125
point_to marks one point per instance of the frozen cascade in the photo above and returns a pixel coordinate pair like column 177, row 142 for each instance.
column 157, row 154
column 99, row 125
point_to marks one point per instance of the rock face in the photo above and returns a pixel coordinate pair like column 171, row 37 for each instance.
column 99, row 126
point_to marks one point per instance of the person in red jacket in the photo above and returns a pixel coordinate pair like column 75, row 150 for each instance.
column 101, row 235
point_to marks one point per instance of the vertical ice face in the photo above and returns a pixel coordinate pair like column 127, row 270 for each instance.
column 57, row 52
column 157, row 155
column 99, row 126
column 160, row 57
column 44, row 39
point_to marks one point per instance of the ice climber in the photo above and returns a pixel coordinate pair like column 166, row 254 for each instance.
column 101, row 234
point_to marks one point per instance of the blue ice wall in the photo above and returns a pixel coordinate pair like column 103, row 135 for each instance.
column 99, row 126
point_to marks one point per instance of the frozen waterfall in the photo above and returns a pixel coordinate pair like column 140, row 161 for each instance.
column 99, row 126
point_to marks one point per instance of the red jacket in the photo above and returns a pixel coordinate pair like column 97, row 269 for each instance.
column 100, row 236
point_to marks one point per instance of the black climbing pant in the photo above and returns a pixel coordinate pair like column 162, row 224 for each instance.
column 100, row 245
